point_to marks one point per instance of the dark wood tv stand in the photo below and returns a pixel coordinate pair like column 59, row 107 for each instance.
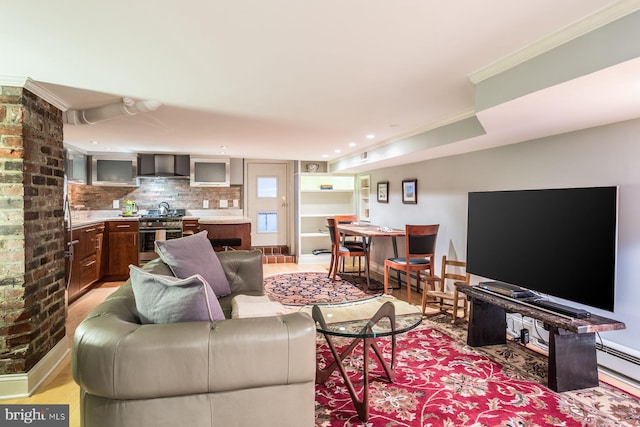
column 573, row 363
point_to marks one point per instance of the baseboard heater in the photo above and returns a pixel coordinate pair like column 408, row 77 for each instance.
column 618, row 364
column 619, row 354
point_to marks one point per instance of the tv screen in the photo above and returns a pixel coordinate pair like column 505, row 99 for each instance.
column 560, row 242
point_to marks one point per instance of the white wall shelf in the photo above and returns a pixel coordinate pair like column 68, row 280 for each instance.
column 314, row 206
column 364, row 192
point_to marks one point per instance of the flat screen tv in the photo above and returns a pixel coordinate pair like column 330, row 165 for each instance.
column 559, row 242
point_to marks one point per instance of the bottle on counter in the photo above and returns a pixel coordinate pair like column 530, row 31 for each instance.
column 130, row 208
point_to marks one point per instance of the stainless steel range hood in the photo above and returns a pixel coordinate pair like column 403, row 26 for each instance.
column 163, row 165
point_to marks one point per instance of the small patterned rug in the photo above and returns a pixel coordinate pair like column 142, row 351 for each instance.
column 303, row 288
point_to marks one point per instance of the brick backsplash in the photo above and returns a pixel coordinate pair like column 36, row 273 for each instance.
column 177, row 192
column 32, row 288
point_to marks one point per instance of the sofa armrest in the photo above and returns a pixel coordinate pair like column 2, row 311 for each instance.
column 259, row 352
column 243, row 270
column 122, row 360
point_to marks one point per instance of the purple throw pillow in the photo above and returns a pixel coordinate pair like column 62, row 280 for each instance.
column 194, row 254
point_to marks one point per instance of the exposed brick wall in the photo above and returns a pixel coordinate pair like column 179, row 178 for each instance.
column 176, row 192
column 32, row 291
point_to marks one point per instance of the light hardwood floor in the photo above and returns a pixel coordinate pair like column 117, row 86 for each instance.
column 60, row 388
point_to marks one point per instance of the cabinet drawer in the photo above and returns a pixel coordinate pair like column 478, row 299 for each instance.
column 88, row 270
column 115, row 226
column 86, row 237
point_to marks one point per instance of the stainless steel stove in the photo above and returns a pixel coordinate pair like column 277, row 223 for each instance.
column 153, row 226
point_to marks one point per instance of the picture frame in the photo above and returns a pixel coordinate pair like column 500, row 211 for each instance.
column 410, row 191
column 383, row 192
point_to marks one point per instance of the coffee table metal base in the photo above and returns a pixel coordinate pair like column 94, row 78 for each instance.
column 369, row 343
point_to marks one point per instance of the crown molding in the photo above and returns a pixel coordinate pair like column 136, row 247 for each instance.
column 571, row 32
column 12, row 81
column 434, row 125
column 417, row 131
column 35, row 88
column 46, row 94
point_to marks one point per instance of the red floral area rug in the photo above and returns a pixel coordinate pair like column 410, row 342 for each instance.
column 442, row 382
column 303, row 288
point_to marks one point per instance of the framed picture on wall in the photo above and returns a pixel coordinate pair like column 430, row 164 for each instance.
column 383, row 192
column 410, row 191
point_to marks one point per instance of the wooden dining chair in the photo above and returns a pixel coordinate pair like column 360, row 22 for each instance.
column 420, row 248
column 345, row 219
column 444, row 295
column 340, row 251
column 350, row 240
column 348, row 219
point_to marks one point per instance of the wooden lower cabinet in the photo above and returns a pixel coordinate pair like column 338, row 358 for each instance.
column 100, row 255
column 123, row 248
column 85, row 267
column 226, row 233
column 88, row 271
column 190, row 226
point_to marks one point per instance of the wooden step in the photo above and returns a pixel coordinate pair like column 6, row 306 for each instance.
column 276, row 254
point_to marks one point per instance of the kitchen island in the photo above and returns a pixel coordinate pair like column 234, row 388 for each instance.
column 227, row 232
column 226, row 228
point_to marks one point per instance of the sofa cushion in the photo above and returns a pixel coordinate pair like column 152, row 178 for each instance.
column 167, row 299
column 226, row 302
column 194, row 254
column 243, row 306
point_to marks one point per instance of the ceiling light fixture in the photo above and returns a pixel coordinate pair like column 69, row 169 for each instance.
column 371, row 136
column 352, row 144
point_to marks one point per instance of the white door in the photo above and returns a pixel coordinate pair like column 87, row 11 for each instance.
column 267, row 203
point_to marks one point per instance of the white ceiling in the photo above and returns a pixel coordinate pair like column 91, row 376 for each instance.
column 291, row 79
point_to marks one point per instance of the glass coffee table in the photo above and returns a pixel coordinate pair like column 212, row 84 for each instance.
column 363, row 322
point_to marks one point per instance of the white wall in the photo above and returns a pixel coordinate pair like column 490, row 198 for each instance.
column 607, row 155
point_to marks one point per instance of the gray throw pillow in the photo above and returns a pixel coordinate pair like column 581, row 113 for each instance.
column 167, row 299
column 194, row 254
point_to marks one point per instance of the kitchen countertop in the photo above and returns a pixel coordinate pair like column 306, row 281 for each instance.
column 231, row 216
column 218, row 216
column 77, row 223
column 224, row 220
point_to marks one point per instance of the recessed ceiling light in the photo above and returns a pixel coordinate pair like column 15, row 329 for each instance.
column 324, row 156
column 371, row 136
column 94, row 142
column 352, row 144
column 337, row 150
